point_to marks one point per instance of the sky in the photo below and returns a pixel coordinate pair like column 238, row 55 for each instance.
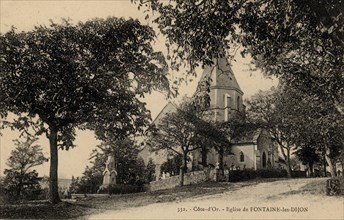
column 24, row 15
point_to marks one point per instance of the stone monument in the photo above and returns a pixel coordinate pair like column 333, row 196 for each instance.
column 110, row 173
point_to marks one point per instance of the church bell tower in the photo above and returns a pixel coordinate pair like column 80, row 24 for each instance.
column 225, row 93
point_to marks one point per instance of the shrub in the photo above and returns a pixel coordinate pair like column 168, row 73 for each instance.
column 247, row 174
column 3, row 196
column 17, row 186
column 125, row 188
column 241, row 175
column 172, row 165
column 139, row 186
column 298, row 174
column 150, row 171
column 335, row 186
column 271, row 173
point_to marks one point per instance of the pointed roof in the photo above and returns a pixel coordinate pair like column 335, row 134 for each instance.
column 247, row 137
column 221, row 75
column 169, row 108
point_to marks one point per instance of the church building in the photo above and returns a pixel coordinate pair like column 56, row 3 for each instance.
column 252, row 150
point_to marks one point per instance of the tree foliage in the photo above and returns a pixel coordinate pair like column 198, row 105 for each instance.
column 150, row 171
column 299, row 121
column 129, row 167
column 172, row 165
column 21, row 186
column 26, row 155
column 88, row 75
column 182, row 132
column 301, row 42
column 298, row 40
column 308, row 155
column 20, row 180
column 317, row 123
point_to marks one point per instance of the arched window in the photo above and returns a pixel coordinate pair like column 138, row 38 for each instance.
column 242, row 157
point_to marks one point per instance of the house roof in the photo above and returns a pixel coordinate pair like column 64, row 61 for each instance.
column 168, row 108
column 247, row 137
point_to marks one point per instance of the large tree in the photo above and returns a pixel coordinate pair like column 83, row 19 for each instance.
column 316, row 124
column 87, row 75
column 299, row 121
column 263, row 110
column 180, row 132
column 300, row 40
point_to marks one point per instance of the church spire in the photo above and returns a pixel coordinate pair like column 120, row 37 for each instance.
column 225, row 92
column 221, row 75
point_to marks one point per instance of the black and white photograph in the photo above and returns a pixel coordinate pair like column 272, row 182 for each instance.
column 172, row 109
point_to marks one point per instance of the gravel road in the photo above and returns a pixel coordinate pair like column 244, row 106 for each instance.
column 272, row 200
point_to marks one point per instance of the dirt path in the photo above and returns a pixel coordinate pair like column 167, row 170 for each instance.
column 272, row 200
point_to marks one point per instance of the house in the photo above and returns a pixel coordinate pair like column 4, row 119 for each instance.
column 252, row 149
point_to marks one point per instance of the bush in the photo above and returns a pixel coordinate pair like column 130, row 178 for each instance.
column 150, row 171
column 3, row 196
column 335, row 186
column 242, row 175
column 272, row 173
column 125, row 188
column 139, row 186
column 298, row 174
column 29, row 189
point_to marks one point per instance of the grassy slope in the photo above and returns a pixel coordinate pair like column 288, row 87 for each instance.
column 87, row 206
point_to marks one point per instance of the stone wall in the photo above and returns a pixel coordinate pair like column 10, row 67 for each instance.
column 173, row 181
column 194, row 177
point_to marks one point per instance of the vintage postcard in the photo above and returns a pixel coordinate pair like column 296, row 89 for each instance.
column 119, row 109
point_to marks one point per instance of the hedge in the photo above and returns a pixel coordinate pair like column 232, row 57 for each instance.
column 298, row 174
column 125, row 188
column 247, row 174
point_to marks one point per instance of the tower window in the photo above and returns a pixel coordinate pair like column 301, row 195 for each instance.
column 242, row 157
column 227, row 107
column 238, row 103
column 228, row 101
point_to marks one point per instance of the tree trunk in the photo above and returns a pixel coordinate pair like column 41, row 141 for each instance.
column 324, row 166
column 221, row 152
column 286, row 156
column 53, row 180
column 182, row 177
column 288, row 163
column 328, row 160
column 19, row 188
column 20, row 185
column 204, row 152
column 311, row 165
column 330, row 165
column 184, row 168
